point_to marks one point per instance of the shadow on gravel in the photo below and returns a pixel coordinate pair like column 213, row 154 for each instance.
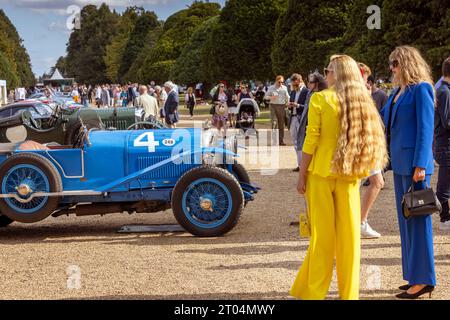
column 18, row 234
column 388, row 294
column 289, row 265
column 248, row 250
column 273, row 295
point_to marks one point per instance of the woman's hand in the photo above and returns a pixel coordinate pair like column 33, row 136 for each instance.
column 419, row 174
column 301, row 184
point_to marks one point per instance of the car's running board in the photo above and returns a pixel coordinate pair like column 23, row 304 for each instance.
column 51, row 194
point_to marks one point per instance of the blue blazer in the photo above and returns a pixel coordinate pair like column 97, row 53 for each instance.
column 412, row 128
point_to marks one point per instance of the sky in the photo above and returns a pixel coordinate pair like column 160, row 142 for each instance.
column 42, row 24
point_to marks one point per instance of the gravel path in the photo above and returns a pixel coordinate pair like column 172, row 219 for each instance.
column 257, row 260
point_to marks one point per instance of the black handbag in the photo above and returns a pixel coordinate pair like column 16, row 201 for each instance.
column 420, row 202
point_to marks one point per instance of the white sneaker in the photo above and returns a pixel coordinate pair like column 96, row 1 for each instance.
column 367, row 232
column 444, row 226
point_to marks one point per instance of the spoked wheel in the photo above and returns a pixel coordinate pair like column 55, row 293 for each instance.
column 23, row 175
column 207, row 201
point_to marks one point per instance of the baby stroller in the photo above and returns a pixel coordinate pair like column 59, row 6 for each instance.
column 247, row 111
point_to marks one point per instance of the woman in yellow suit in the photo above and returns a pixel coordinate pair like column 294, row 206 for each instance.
column 344, row 141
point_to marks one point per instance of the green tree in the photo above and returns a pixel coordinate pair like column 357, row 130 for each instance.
column 239, row 46
column 16, row 63
column 137, row 73
column 61, row 65
column 7, row 73
column 115, row 50
column 177, row 30
column 145, row 24
column 87, row 46
column 190, row 68
column 422, row 24
column 307, row 33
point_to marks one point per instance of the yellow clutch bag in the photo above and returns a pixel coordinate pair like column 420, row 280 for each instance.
column 305, row 229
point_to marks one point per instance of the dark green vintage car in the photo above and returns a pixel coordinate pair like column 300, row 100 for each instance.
column 63, row 125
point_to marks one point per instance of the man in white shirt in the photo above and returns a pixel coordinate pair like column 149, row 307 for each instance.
column 148, row 103
column 74, row 92
column 98, row 95
column 279, row 99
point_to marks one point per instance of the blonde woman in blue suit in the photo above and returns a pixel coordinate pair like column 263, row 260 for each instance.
column 409, row 120
column 344, row 141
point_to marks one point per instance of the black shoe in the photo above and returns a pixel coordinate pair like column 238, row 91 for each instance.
column 282, row 144
column 296, row 169
column 406, row 295
column 405, row 287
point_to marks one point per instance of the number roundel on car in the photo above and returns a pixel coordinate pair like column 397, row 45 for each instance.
column 168, row 142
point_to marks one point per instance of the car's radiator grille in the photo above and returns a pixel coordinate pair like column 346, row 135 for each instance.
column 169, row 170
column 121, row 124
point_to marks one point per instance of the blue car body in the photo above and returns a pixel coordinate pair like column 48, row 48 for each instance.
column 117, row 168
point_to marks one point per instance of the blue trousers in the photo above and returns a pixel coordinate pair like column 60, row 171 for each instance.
column 416, row 235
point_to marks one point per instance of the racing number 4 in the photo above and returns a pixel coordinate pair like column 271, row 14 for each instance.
column 150, row 142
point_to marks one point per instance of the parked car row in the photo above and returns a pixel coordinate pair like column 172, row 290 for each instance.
column 59, row 161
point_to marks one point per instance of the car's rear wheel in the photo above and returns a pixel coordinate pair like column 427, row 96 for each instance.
column 23, row 175
column 207, row 201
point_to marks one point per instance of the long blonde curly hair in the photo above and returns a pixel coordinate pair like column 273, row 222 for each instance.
column 361, row 145
column 413, row 67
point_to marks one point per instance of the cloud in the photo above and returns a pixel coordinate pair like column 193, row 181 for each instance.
column 59, row 27
column 60, row 6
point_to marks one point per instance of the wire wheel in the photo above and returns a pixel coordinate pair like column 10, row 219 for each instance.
column 23, row 175
column 207, row 201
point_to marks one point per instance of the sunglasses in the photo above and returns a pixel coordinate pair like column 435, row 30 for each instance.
column 393, row 64
column 326, row 71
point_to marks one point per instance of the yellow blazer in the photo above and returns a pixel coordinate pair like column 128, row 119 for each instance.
column 322, row 133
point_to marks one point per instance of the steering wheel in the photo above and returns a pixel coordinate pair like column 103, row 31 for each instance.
column 54, row 117
column 142, row 125
column 81, row 137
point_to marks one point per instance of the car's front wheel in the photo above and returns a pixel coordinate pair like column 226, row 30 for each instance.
column 207, row 201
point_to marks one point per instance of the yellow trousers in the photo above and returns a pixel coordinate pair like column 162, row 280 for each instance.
column 335, row 217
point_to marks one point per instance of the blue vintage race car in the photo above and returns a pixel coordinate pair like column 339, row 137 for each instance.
column 128, row 171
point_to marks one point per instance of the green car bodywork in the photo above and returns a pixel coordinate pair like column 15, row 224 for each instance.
column 64, row 125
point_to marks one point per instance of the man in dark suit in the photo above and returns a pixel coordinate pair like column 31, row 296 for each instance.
column 171, row 105
column 442, row 145
column 131, row 94
column 296, row 105
column 316, row 82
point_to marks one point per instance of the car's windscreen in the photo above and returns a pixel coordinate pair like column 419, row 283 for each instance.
column 42, row 110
